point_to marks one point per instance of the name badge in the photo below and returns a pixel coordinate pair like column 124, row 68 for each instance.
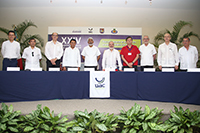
column 129, row 53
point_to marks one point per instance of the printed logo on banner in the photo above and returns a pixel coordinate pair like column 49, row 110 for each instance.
column 90, row 30
column 101, row 30
column 100, row 83
column 114, row 31
column 76, row 31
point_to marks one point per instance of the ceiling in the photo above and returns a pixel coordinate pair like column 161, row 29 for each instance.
column 168, row 4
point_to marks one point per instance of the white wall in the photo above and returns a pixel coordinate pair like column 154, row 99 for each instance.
column 152, row 20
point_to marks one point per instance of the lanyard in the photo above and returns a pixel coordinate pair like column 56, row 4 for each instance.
column 130, row 48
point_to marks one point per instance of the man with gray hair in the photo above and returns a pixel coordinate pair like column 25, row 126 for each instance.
column 91, row 54
column 110, row 57
column 147, row 54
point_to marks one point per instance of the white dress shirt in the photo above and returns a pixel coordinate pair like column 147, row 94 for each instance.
column 110, row 58
column 90, row 54
column 32, row 57
column 167, row 55
column 10, row 49
column 71, row 57
column 188, row 58
column 147, row 53
column 53, row 51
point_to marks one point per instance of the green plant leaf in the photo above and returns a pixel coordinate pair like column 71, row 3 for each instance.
column 4, row 30
column 175, row 108
column 127, row 122
column 28, row 129
column 39, row 106
column 151, row 115
column 35, row 131
column 12, row 123
column 3, row 126
column 144, row 126
column 13, row 129
column 147, row 110
column 102, row 127
column 10, row 109
column 77, row 129
column 133, row 131
column 181, row 131
column 3, row 120
column 4, row 108
column 181, row 109
column 176, row 118
column 64, row 119
column 63, row 130
column 59, row 115
column 137, row 108
column 125, row 130
column 45, row 117
column 122, row 118
column 83, row 114
column 45, row 127
column 86, row 112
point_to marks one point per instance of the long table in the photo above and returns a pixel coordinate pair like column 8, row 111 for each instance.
column 179, row 87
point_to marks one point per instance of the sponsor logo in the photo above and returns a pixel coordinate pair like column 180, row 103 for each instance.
column 76, row 31
column 90, row 30
column 114, row 31
column 101, row 84
column 101, row 30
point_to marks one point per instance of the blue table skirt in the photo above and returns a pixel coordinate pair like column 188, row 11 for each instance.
column 180, row 87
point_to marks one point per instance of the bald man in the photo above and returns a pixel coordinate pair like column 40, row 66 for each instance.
column 167, row 54
column 111, row 56
column 53, row 51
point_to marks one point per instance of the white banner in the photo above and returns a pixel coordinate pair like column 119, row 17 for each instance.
column 99, row 84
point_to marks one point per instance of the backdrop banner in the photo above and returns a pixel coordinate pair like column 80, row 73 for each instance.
column 99, row 84
column 101, row 35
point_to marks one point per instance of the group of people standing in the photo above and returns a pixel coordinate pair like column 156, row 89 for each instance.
column 168, row 54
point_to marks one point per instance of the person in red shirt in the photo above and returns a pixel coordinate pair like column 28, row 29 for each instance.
column 130, row 54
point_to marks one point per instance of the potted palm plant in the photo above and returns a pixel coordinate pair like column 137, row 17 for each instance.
column 21, row 37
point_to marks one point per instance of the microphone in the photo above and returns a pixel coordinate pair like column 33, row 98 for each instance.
column 32, row 54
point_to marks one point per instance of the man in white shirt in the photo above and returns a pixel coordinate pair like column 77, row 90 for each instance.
column 167, row 54
column 11, row 51
column 147, row 54
column 91, row 55
column 110, row 57
column 71, row 57
column 32, row 55
column 53, row 51
column 188, row 55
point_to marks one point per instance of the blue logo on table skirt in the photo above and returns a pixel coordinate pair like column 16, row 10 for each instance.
column 100, row 84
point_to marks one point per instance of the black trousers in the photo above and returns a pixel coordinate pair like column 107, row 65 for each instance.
column 142, row 67
column 132, row 67
column 9, row 63
column 95, row 67
column 49, row 64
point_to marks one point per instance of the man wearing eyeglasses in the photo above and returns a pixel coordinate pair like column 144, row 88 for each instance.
column 11, row 51
column 167, row 54
column 188, row 55
column 53, row 52
column 32, row 55
column 130, row 54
